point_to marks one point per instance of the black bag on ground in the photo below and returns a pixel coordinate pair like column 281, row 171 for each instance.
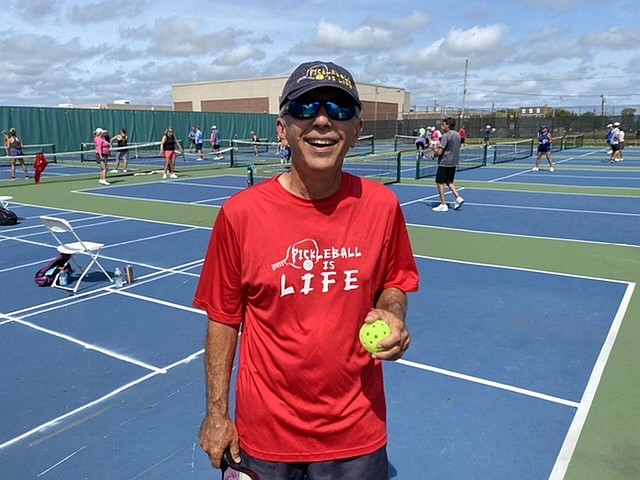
column 7, row 217
column 44, row 277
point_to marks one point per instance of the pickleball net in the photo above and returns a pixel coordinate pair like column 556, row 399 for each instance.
column 382, row 167
column 144, row 159
column 365, row 145
column 30, row 152
column 406, row 142
column 509, row 151
column 573, row 141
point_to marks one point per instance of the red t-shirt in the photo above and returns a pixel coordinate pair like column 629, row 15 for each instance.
column 302, row 276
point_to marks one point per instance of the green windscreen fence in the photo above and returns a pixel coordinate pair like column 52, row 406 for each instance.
column 67, row 128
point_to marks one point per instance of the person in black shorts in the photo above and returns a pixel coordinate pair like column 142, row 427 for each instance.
column 448, row 153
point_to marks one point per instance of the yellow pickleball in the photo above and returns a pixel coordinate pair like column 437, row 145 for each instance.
column 372, row 333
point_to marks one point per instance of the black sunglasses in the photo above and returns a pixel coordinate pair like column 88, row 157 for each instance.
column 308, row 110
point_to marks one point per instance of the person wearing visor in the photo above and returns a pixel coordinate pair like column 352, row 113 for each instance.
column 309, row 400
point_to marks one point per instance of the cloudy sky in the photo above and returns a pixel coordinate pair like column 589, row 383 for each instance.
column 521, row 52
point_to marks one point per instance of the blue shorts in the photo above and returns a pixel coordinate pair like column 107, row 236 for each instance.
column 374, row 466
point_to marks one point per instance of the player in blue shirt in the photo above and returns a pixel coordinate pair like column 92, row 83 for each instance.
column 544, row 147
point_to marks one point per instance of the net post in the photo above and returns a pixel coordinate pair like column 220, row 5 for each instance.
column 81, row 152
column 250, row 179
column 399, row 167
column 233, row 150
column 417, row 167
column 53, row 151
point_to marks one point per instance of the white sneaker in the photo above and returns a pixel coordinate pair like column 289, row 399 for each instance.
column 103, row 182
column 125, row 170
column 114, row 170
column 173, row 175
column 164, row 176
column 534, row 169
column 458, row 203
column 441, row 208
column 551, row 169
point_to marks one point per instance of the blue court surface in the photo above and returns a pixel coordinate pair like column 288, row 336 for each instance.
column 502, row 370
column 547, row 215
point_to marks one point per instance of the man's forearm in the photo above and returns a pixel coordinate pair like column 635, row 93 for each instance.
column 220, row 349
column 393, row 300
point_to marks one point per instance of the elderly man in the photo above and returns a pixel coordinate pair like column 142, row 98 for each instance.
column 309, row 399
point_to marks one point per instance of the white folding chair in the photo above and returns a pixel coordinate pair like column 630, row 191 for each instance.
column 62, row 230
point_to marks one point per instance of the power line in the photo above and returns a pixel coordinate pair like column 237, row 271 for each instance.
column 546, row 95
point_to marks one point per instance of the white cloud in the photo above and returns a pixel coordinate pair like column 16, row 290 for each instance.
column 364, row 38
column 475, row 41
column 138, row 49
column 240, row 54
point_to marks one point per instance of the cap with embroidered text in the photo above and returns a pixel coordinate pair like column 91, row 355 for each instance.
column 311, row 75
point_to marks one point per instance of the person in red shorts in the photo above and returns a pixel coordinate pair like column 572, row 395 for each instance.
column 301, row 262
column 168, row 146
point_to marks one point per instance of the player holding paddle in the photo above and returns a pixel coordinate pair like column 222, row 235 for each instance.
column 309, row 398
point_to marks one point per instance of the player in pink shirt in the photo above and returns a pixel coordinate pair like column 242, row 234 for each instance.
column 103, row 149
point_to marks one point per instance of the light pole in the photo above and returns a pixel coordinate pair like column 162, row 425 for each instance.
column 375, row 114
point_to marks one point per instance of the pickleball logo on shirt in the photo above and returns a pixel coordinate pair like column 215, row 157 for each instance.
column 305, row 255
column 302, row 254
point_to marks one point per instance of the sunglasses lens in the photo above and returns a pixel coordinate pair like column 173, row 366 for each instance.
column 304, row 110
column 310, row 110
column 337, row 112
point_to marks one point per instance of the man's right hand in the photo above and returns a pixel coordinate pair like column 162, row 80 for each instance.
column 218, row 434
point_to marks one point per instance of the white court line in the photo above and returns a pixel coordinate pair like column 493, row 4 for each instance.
column 86, row 406
column 430, row 197
column 528, row 170
column 552, row 209
column 215, row 199
column 89, row 346
column 159, row 302
column 127, row 197
column 100, row 292
column 202, row 185
column 124, row 217
column 573, row 435
column 522, row 269
column 583, row 407
column 490, row 383
column 60, row 462
column 517, row 235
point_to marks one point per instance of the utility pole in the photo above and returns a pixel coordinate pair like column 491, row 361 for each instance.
column 464, row 90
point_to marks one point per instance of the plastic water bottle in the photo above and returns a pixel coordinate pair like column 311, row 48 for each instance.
column 117, row 276
column 63, row 280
